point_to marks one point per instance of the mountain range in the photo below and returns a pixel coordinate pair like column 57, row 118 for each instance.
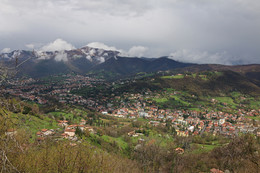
column 89, row 60
column 85, row 60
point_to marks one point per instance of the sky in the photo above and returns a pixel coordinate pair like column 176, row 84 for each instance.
column 198, row 31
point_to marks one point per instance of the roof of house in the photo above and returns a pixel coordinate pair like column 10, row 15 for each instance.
column 11, row 130
column 214, row 170
column 70, row 130
column 39, row 133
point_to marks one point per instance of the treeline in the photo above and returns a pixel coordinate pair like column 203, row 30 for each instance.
column 61, row 156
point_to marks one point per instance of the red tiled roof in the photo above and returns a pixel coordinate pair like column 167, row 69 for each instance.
column 73, row 125
column 39, row 133
column 11, row 130
column 213, row 170
column 64, row 121
column 40, row 139
column 70, row 130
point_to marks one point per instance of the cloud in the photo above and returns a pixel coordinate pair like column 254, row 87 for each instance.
column 102, row 46
column 57, row 45
column 30, row 46
column 101, row 59
column 204, row 57
column 137, row 51
column 162, row 26
column 6, row 50
column 61, row 56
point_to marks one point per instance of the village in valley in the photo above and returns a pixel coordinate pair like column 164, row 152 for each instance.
column 125, row 118
column 133, row 106
column 112, row 86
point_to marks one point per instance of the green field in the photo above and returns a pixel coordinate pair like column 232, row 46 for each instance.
column 180, row 100
column 255, row 104
column 203, row 77
column 173, row 77
column 227, row 100
column 254, row 118
column 160, row 100
column 119, row 141
column 68, row 116
column 34, row 123
column 203, row 148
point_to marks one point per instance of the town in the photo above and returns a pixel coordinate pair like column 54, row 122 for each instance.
column 186, row 122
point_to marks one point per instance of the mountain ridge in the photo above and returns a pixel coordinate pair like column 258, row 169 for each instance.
column 87, row 59
column 84, row 60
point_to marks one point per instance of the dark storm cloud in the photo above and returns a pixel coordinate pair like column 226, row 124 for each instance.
column 203, row 31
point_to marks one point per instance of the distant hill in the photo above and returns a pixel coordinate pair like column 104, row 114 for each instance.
column 251, row 71
column 125, row 66
column 85, row 60
column 204, row 83
column 109, row 64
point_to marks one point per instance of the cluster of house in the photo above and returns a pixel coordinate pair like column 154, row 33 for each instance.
column 37, row 90
column 138, row 105
column 134, row 134
column 69, row 131
column 185, row 122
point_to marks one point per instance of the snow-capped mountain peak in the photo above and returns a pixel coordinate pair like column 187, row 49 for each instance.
column 90, row 54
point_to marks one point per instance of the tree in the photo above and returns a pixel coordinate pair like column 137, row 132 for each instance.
column 79, row 132
column 35, row 109
column 9, row 145
column 240, row 152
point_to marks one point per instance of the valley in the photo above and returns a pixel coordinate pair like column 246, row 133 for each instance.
column 150, row 120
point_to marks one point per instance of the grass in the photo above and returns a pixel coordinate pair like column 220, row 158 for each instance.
column 34, row 123
column 194, row 109
column 120, row 141
column 68, row 116
column 173, row 77
column 254, row 118
column 204, row 148
column 235, row 94
column 142, row 120
column 255, row 104
column 162, row 140
column 194, row 75
column 181, row 101
column 203, row 77
column 227, row 100
column 170, row 90
column 160, row 100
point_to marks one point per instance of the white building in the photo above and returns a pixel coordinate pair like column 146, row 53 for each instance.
column 70, row 132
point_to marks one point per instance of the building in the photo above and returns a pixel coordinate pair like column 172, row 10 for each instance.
column 70, row 132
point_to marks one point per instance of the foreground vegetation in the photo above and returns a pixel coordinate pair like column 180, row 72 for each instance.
column 111, row 149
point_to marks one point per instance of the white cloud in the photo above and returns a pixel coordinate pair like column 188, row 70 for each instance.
column 101, row 59
column 89, row 58
column 137, row 51
column 42, row 55
column 204, row 57
column 163, row 26
column 61, row 56
column 57, row 45
column 30, row 46
column 6, row 50
column 101, row 46
column 92, row 52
